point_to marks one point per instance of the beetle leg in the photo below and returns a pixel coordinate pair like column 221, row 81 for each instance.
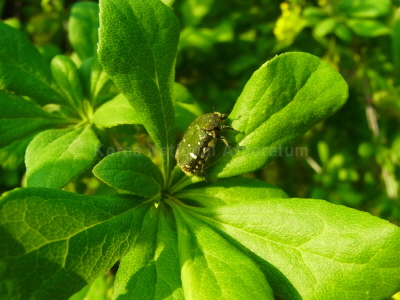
column 203, row 171
column 229, row 127
column 208, row 131
column 229, row 144
column 225, row 141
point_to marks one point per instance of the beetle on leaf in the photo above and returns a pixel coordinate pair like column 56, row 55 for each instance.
column 199, row 141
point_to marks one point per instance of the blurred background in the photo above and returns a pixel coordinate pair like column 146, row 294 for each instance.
column 353, row 158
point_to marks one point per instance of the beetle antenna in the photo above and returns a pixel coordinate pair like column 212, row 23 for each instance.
column 214, row 108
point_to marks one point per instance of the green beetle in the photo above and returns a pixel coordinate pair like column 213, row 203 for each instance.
column 199, row 141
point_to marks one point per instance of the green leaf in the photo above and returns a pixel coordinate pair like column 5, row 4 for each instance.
column 83, row 27
column 230, row 191
column 12, row 156
column 179, row 180
column 54, row 242
column 20, row 117
column 96, row 82
column 140, row 60
column 186, row 107
column 212, row 268
column 97, row 290
column 195, row 10
column 49, row 51
column 66, row 75
column 55, row 157
column 151, row 268
column 282, row 100
column 205, row 38
column 115, row 112
column 368, row 28
column 343, row 32
column 323, row 152
column 168, row 2
column 304, row 246
column 23, row 69
column 81, row 294
column 365, row 8
column 313, row 14
column 324, row 27
column 130, row 171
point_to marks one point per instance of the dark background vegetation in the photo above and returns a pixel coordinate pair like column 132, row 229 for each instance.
column 353, row 157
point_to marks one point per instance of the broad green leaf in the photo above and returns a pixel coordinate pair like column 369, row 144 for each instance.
column 115, row 112
column 365, row 8
column 368, row 28
column 282, row 100
column 324, row 27
column 312, row 249
column 212, row 268
column 66, row 75
column 130, row 171
column 23, row 70
column 140, row 60
column 49, row 51
column 12, row 156
column 97, row 290
column 230, row 191
column 55, row 157
column 343, row 32
column 151, row 268
column 186, row 107
column 96, row 82
column 83, row 27
column 20, row 117
column 182, row 94
column 53, row 243
column 313, row 15
column 81, row 294
column 168, row 2
column 13, row 22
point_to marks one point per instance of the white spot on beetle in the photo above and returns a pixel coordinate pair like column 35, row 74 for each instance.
column 188, row 145
column 193, row 155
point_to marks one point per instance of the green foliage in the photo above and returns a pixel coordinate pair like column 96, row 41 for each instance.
column 23, row 70
column 171, row 236
column 204, row 253
column 66, row 76
column 82, row 20
column 70, row 150
column 115, row 112
column 20, row 118
column 151, row 267
column 281, row 101
column 186, row 107
column 140, row 61
column 130, row 171
column 62, row 235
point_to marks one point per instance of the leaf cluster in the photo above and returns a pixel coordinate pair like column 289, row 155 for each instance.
column 176, row 237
